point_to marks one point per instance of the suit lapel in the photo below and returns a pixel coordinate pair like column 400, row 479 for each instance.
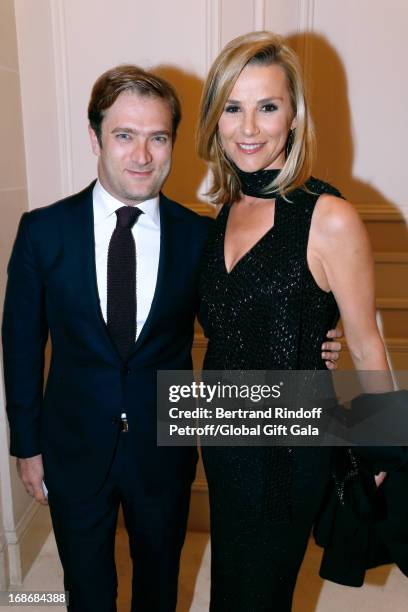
column 79, row 240
column 164, row 270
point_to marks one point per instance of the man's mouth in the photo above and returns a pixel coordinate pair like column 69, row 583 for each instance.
column 139, row 173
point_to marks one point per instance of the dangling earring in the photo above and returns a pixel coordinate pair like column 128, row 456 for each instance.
column 289, row 142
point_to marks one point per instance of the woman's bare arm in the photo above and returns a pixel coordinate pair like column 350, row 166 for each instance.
column 340, row 259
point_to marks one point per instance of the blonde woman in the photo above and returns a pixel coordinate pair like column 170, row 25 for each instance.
column 286, row 256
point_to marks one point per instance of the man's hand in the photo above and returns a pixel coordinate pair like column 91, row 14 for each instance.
column 379, row 478
column 31, row 473
column 331, row 349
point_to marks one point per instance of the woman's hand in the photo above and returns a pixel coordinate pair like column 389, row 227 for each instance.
column 331, row 349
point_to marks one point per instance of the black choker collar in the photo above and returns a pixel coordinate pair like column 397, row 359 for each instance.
column 254, row 183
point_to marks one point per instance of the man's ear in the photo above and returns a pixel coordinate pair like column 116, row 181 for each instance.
column 96, row 147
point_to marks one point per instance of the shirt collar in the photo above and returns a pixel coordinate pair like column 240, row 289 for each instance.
column 105, row 205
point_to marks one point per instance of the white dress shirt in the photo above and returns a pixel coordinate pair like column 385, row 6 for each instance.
column 146, row 233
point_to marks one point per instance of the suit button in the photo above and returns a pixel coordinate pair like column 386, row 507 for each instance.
column 115, row 420
column 126, row 371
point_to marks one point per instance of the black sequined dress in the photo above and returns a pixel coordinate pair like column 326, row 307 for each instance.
column 267, row 313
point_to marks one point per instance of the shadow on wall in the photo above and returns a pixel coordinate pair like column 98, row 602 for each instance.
column 328, row 93
column 188, row 171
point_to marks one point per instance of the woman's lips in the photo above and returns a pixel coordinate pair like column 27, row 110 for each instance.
column 250, row 148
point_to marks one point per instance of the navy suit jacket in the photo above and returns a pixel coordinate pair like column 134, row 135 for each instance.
column 52, row 289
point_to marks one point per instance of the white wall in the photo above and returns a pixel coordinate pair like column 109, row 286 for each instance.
column 39, row 93
column 64, row 46
column 354, row 53
column 360, row 75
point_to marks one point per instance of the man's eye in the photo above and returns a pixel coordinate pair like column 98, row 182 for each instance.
column 160, row 139
column 123, row 136
column 269, row 108
column 232, row 108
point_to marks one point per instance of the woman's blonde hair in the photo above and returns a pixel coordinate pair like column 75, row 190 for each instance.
column 262, row 48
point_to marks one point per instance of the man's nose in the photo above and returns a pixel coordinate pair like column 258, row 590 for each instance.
column 140, row 153
column 249, row 124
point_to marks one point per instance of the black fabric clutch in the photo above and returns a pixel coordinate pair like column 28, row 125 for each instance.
column 362, row 526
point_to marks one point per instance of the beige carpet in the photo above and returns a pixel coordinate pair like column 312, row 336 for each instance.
column 386, row 589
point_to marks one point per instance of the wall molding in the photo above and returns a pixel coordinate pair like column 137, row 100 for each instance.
column 391, row 258
column 199, row 519
column 17, row 188
column 3, row 570
column 386, row 303
column 397, row 344
column 200, row 484
column 305, row 26
column 62, row 89
column 259, row 14
column 14, row 535
column 3, row 541
column 381, row 211
column 26, row 540
column 306, row 15
column 3, row 562
column 400, row 344
column 7, row 509
column 202, row 208
column 213, row 28
column 369, row 211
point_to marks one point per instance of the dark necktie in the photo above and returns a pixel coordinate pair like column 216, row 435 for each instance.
column 121, row 307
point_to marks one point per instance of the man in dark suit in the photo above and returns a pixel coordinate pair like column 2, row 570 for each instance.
column 111, row 274
column 72, row 273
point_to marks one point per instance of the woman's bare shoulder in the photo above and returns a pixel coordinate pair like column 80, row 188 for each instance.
column 335, row 217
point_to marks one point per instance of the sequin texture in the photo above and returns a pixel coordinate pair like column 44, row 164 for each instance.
column 266, row 314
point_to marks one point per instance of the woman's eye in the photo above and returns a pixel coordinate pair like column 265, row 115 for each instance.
column 232, row 109
column 269, row 108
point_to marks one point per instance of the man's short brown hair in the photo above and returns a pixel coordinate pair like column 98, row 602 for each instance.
column 128, row 77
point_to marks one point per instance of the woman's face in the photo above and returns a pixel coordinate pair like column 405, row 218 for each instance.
column 256, row 119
